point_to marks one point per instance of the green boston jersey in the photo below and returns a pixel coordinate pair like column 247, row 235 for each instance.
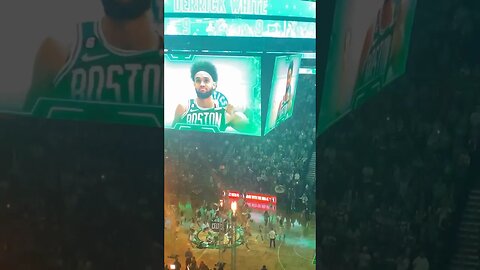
column 374, row 68
column 201, row 119
column 100, row 82
column 282, row 112
column 376, row 60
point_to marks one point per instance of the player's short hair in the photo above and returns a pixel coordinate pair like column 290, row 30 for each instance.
column 204, row 66
column 290, row 67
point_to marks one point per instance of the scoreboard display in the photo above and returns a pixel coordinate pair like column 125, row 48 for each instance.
column 287, row 8
column 213, row 93
column 65, row 68
column 241, row 18
column 239, row 27
column 283, row 90
column 86, row 77
column 248, row 94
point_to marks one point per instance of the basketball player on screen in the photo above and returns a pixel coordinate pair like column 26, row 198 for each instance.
column 383, row 44
column 402, row 8
column 286, row 102
column 210, row 110
column 118, row 59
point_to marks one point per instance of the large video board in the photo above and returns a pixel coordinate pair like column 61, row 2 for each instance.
column 369, row 49
column 80, row 64
column 283, row 90
column 213, row 93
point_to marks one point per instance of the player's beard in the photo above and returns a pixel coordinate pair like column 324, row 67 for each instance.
column 205, row 95
column 125, row 11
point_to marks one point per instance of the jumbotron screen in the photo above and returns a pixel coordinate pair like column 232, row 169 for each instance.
column 213, row 93
column 283, row 90
column 69, row 67
column 241, row 18
column 369, row 49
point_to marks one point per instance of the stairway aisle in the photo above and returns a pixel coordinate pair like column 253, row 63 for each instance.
column 468, row 236
column 312, row 167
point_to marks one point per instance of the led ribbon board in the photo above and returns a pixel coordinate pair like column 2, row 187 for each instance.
column 287, row 8
column 241, row 18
